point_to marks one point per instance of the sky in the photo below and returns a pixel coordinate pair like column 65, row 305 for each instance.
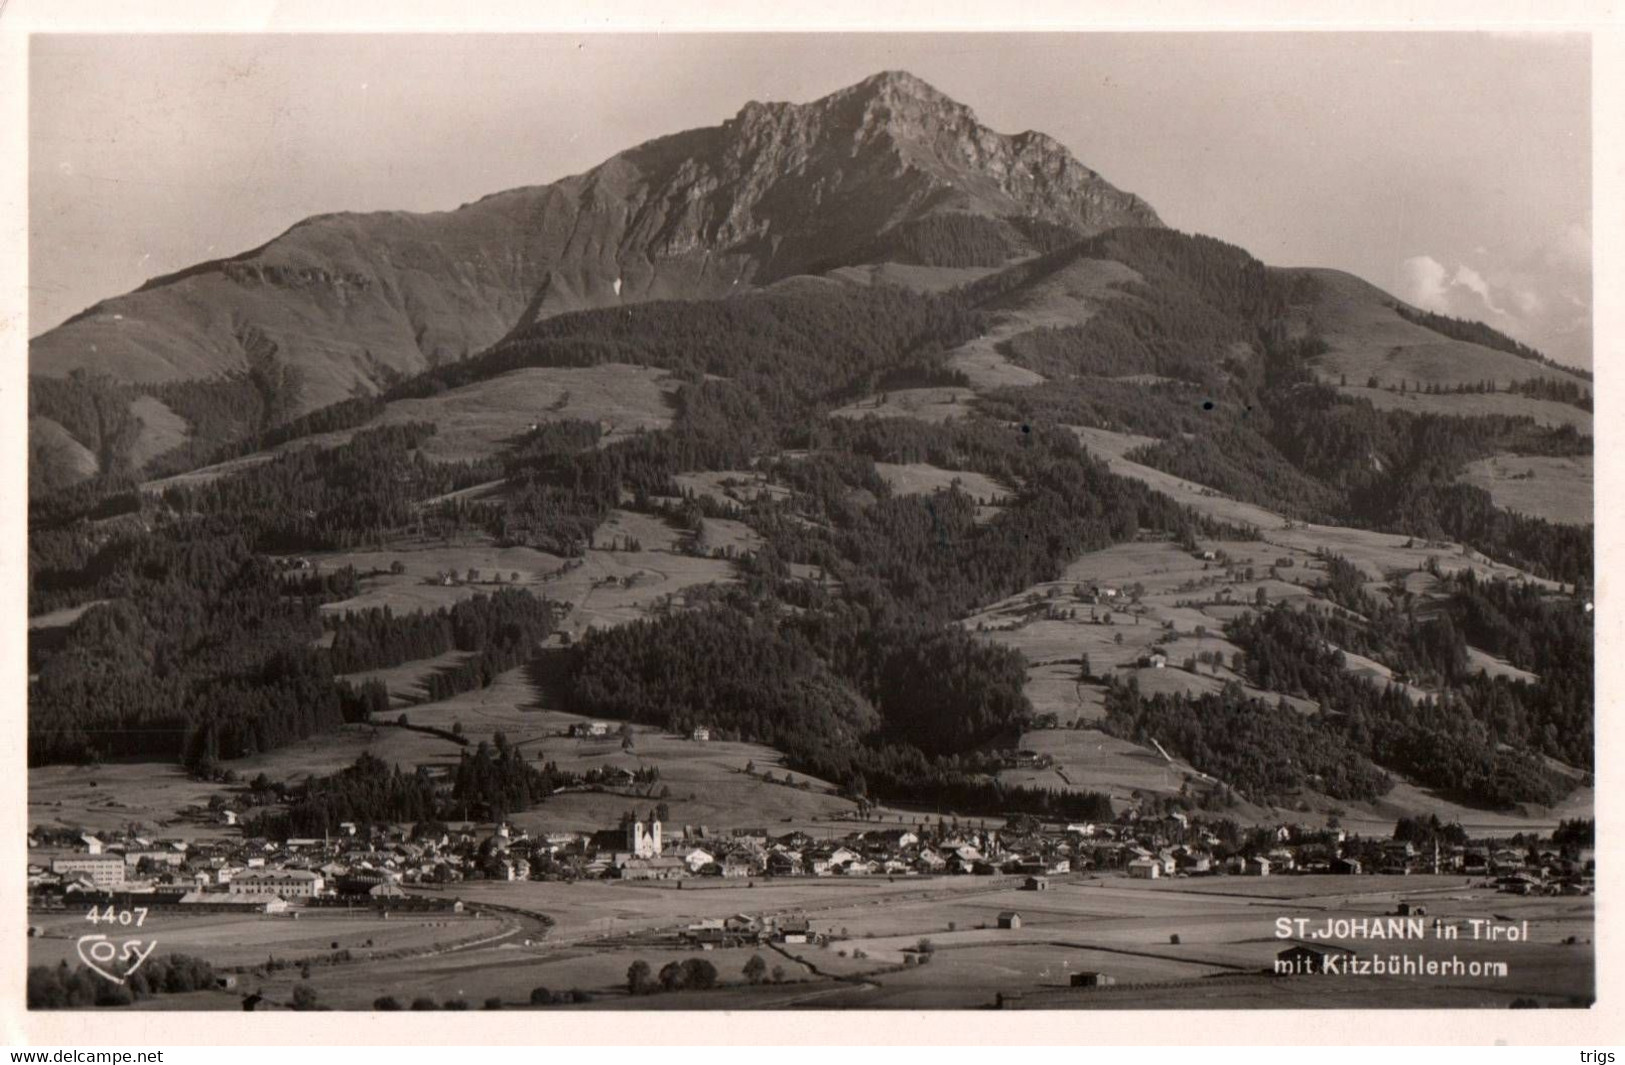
column 1451, row 169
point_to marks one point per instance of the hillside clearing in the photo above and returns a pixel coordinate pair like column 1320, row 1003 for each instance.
column 1545, row 412
column 1560, row 489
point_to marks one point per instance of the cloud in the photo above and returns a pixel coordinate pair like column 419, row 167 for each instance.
column 1428, row 283
column 1528, row 301
column 1536, row 304
column 1471, row 279
column 1422, row 282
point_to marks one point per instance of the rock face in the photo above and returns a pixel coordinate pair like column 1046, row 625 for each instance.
column 778, row 190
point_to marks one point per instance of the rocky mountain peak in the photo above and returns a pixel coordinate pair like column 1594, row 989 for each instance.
column 780, row 189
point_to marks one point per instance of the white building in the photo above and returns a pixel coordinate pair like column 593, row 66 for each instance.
column 644, row 840
column 105, row 870
column 284, row 883
column 1145, row 868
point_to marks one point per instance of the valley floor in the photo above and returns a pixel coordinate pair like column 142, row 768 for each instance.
column 1167, row 944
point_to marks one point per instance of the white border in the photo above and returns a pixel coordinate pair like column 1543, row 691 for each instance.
column 1600, row 1026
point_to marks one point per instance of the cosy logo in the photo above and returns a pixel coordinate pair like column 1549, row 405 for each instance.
column 110, row 960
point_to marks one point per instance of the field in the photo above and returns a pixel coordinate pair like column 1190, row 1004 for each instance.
column 484, row 418
column 608, row 586
column 488, row 417
column 1183, row 603
column 919, row 478
column 918, row 278
column 1557, row 489
column 229, row 940
column 926, row 404
column 1368, row 337
column 1203, row 938
column 1545, row 412
column 161, row 429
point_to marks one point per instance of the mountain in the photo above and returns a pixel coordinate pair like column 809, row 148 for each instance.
column 888, row 169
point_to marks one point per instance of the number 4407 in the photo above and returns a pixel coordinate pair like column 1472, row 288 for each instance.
column 136, row 916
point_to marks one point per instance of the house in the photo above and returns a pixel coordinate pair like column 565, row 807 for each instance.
column 1092, row 979
column 740, row 864
column 92, row 844
column 892, row 838
column 1145, row 869
column 1035, row 883
column 841, row 856
column 698, row 859
column 1010, row 919
column 783, row 863
column 1345, row 866
column 793, row 929
column 1194, row 862
column 1257, row 867
column 930, row 861
column 1307, row 959
column 742, row 924
column 589, row 728
column 1153, row 661
column 1281, row 859
column 652, row 869
column 701, row 734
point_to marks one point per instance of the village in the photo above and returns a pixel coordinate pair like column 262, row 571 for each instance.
column 843, row 908
column 413, row 866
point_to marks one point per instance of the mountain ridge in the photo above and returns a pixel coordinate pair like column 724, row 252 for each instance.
column 354, row 299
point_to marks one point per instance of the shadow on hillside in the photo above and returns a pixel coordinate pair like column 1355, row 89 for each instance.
column 547, row 673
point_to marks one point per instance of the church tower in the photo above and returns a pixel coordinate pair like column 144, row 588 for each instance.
column 643, row 840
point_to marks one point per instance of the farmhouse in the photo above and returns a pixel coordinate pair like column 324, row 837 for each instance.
column 1257, row 867
column 701, row 734
column 1036, row 883
column 1092, row 979
column 1010, row 919
column 589, row 728
column 793, row 930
